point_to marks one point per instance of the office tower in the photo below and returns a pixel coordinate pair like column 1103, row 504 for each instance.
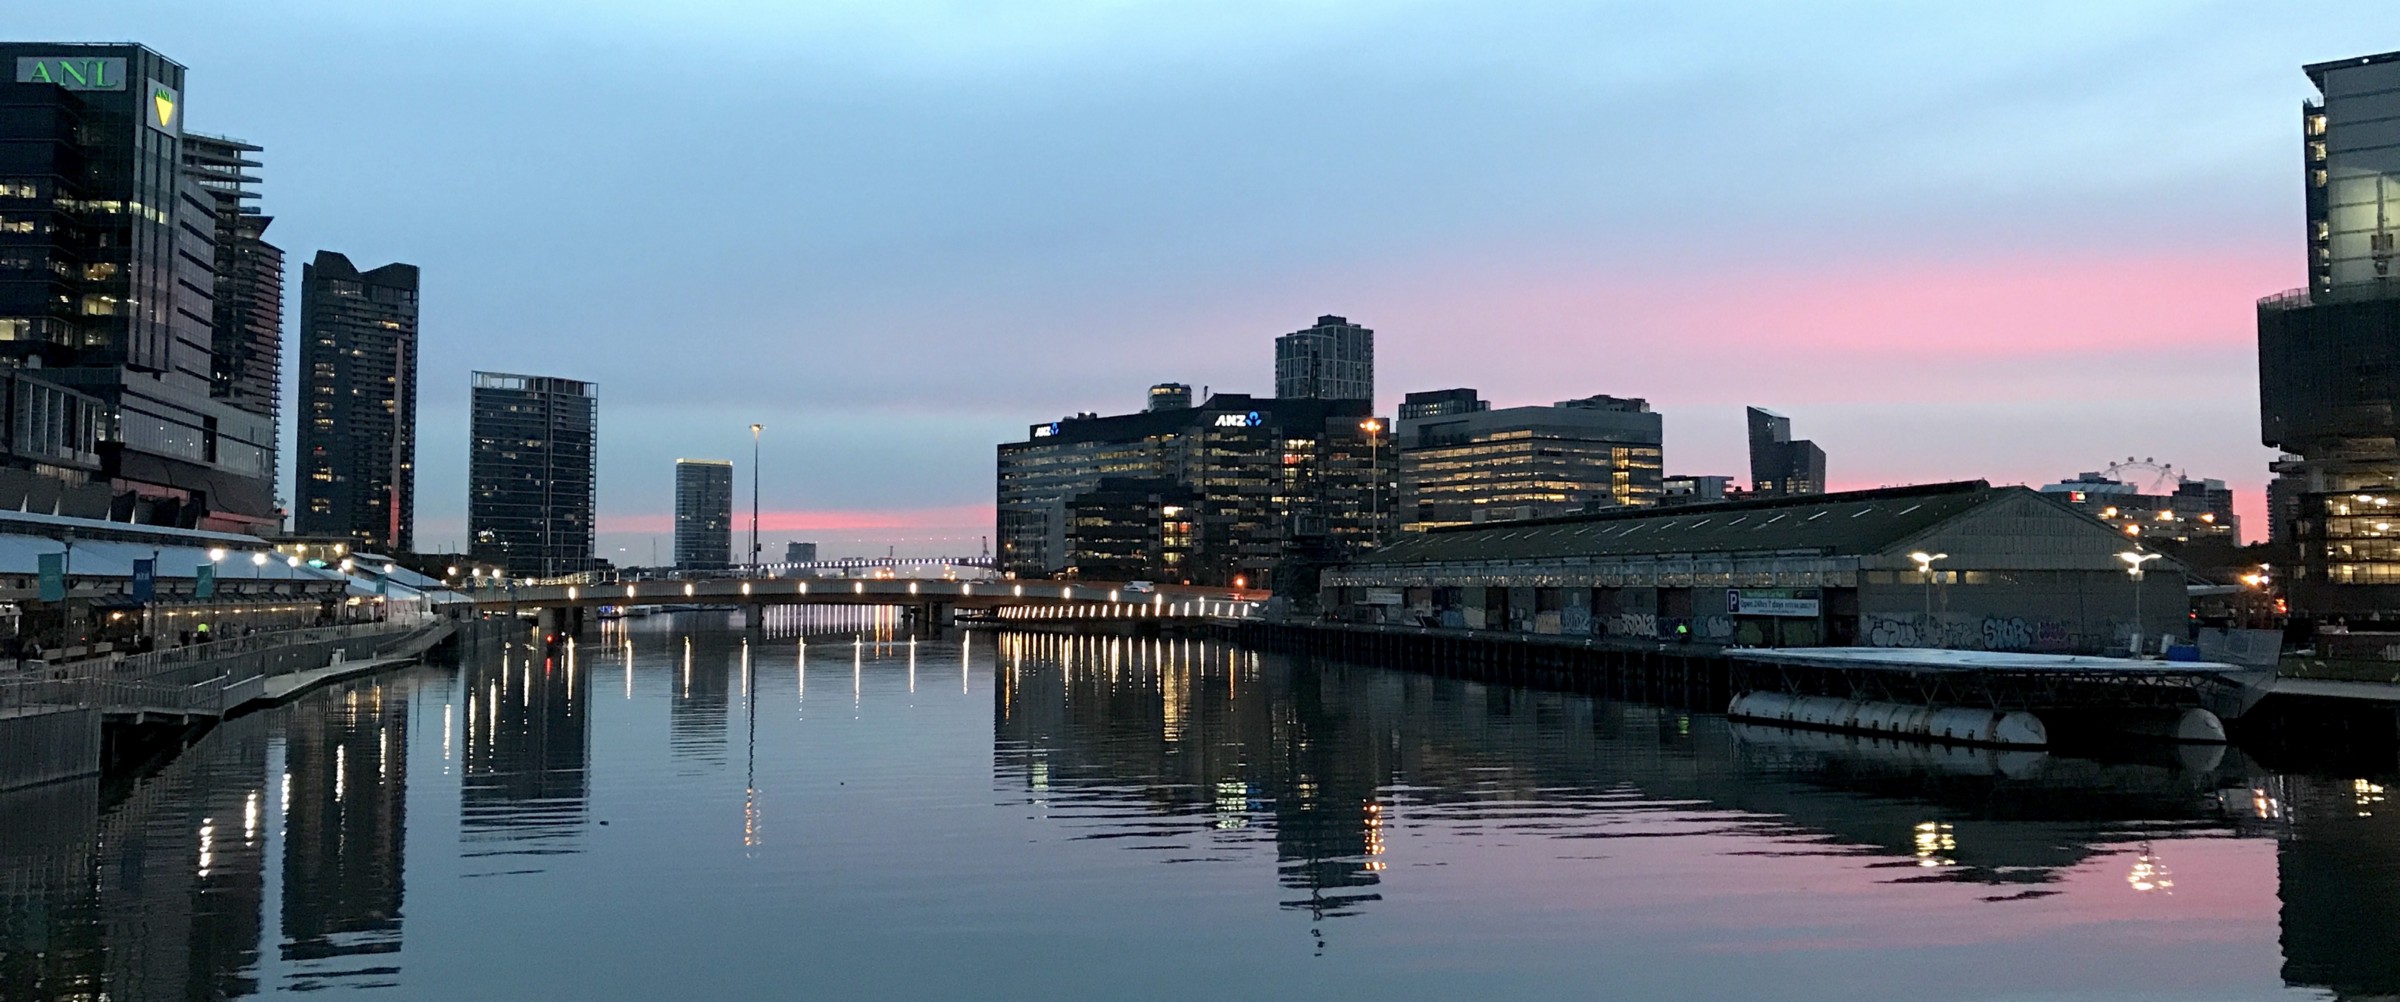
column 799, row 553
column 1269, row 479
column 531, row 473
column 703, row 514
column 2325, row 377
column 357, row 467
column 1170, row 397
column 1437, row 403
column 1334, row 360
column 1474, row 464
column 1780, row 465
column 246, row 342
column 107, row 300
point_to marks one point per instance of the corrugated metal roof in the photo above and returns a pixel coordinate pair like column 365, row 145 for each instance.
column 1846, row 524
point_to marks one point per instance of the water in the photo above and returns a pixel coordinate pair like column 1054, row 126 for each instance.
column 671, row 813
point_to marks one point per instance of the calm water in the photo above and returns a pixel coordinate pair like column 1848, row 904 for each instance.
column 671, row 813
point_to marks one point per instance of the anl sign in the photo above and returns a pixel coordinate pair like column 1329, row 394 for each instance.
column 72, row 72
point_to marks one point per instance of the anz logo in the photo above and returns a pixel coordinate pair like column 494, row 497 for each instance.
column 1250, row 420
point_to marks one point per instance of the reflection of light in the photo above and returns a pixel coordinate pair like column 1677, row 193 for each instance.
column 2148, row 874
column 1934, row 843
column 2367, row 795
column 208, row 844
column 250, row 817
column 341, row 760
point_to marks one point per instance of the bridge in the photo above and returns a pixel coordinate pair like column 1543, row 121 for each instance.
column 931, row 603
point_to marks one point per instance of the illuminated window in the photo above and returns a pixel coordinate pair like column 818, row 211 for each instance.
column 2316, row 152
column 2316, row 125
column 2317, row 177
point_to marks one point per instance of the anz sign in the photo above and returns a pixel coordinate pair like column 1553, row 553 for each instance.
column 1249, row 420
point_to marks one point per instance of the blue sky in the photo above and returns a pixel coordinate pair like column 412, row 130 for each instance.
column 2010, row 241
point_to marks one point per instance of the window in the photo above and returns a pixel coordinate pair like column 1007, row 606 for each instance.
column 2316, row 152
column 2315, row 125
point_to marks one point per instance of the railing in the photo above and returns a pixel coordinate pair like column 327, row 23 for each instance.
column 160, row 662
column 208, row 696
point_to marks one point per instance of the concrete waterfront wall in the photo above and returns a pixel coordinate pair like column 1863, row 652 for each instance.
column 48, row 745
column 1695, row 676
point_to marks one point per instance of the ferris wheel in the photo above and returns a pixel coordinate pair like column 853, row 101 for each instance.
column 2146, row 475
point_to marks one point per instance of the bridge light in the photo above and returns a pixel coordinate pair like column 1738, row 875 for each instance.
column 690, row 590
column 572, row 594
column 628, row 591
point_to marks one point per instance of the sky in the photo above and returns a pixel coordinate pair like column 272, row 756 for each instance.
column 2011, row 242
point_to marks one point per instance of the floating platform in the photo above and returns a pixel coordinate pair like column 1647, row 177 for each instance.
column 1992, row 698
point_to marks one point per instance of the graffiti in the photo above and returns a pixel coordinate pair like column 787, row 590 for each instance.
column 1575, row 620
column 2011, row 634
column 1633, row 624
column 1970, row 633
column 1713, row 627
column 1893, row 631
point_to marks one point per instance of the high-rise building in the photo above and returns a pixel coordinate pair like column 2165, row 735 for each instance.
column 108, row 287
column 246, row 340
column 356, row 473
column 1334, row 360
column 1440, row 403
column 1780, row 465
column 703, row 514
column 799, row 553
column 1170, row 397
column 532, row 472
column 1476, row 464
column 2326, row 381
column 1270, row 480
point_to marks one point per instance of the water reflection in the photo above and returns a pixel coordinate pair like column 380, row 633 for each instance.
column 1336, row 816
column 525, row 782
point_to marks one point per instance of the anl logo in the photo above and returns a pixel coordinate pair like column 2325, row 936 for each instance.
column 72, row 72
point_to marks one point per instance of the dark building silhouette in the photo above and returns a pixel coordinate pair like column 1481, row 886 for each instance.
column 703, row 514
column 1780, row 465
column 108, row 287
column 345, row 834
column 2325, row 379
column 531, row 473
column 357, row 469
column 1130, row 529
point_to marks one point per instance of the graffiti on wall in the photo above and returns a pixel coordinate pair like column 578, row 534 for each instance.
column 1974, row 633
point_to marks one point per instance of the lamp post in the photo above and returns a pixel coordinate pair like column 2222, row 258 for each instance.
column 754, row 430
column 2134, row 559
column 1925, row 567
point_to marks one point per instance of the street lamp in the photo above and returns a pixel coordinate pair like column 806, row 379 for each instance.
column 2134, row 559
column 754, row 430
column 1925, row 567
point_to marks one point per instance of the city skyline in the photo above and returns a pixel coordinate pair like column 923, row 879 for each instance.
column 1921, row 258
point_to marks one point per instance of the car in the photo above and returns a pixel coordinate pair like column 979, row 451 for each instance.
column 1140, row 587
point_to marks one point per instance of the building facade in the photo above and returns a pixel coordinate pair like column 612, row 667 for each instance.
column 1334, row 360
column 356, row 474
column 108, row 287
column 1441, row 403
column 531, row 473
column 2195, row 509
column 1679, row 489
column 797, row 553
column 246, row 343
column 1272, row 480
column 1126, row 529
column 1469, row 463
column 1780, row 465
column 1170, row 397
column 2017, row 571
column 2326, row 383
column 703, row 514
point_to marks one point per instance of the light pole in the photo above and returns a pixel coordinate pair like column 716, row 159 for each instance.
column 1925, row 567
column 754, row 430
column 2134, row 559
